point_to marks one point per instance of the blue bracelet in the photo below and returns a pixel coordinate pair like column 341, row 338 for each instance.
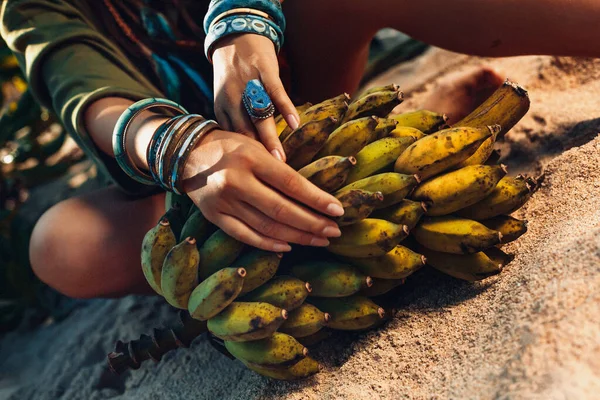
column 119, row 138
column 236, row 24
column 271, row 7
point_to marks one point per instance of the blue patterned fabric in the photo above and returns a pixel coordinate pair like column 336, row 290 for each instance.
column 236, row 24
column 271, row 7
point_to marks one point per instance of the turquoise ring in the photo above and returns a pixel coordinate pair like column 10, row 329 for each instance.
column 256, row 100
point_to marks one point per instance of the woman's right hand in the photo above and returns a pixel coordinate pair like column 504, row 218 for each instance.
column 255, row 198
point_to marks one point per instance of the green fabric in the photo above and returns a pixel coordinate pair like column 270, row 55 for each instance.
column 69, row 63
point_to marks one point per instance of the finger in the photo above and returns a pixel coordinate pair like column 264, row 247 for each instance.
column 240, row 231
column 286, row 211
column 240, row 119
column 283, row 178
column 267, row 134
column 223, row 120
column 276, row 230
column 280, row 98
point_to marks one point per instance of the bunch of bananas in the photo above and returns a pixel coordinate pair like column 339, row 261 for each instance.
column 396, row 176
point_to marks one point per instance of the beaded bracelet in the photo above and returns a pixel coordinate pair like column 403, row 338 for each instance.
column 236, row 24
column 271, row 7
column 119, row 139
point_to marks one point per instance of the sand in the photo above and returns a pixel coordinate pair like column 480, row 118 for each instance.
column 533, row 332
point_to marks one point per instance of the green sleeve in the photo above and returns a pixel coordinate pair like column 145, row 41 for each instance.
column 69, row 64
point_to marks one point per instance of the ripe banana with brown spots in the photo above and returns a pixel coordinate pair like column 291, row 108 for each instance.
column 379, row 104
column 305, row 142
column 348, row 139
column 279, row 350
column 328, row 173
column 358, row 204
column 331, row 279
column 387, row 88
column 179, row 274
column 285, row 292
column 215, row 293
column 406, row 212
column 156, row 245
column 260, row 266
column 423, row 120
column 399, row 263
column 377, row 156
column 384, row 128
column 219, row 251
column 510, row 227
column 469, row 267
column 281, row 123
column 304, row 321
column 335, row 108
column 350, row 313
column 244, row 321
column 394, row 187
column 301, row 370
column 368, row 238
column 405, row 131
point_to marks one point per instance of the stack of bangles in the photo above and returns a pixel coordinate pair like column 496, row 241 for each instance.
column 230, row 17
column 170, row 145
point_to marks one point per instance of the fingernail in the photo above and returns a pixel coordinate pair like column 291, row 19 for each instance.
column 319, row 242
column 331, row 231
column 277, row 154
column 281, row 248
column 335, row 210
column 295, row 121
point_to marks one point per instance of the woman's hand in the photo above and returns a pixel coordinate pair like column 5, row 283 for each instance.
column 255, row 198
column 237, row 60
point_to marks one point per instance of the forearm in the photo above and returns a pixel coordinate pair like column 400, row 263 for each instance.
column 101, row 117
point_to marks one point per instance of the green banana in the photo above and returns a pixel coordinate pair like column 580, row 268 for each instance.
column 331, row 279
column 179, row 274
column 510, row 227
column 368, row 238
column 378, row 155
column 348, row 139
column 335, row 107
column 450, row 234
column 358, row 204
column 219, row 251
column 304, row 321
column 328, row 173
column 260, row 266
column 399, row 263
column 198, row 227
column 156, row 245
column 304, row 143
column 215, row 293
column 387, row 88
column 176, row 218
column 244, row 321
column 284, row 292
column 498, row 256
column 508, row 196
column 406, row 212
column 315, row 338
column 452, row 191
column 381, row 287
column 185, row 204
column 441, row 151
column 279, row 350
column 379, row 104
column 423, row 120
column 406, row 131
column 469, row 267
column 384, row 128
column 350, row 313
column 301, row 370
column 394, row 187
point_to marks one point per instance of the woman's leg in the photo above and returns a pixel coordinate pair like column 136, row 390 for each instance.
column 89, row 246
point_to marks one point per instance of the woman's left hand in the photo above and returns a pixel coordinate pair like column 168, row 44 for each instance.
column 237, row 60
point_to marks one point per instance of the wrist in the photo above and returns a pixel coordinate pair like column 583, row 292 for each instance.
column 195, row 162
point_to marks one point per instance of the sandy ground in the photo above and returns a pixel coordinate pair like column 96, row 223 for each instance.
column 532, row 332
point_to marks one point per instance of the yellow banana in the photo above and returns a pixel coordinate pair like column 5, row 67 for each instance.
column 301, row 370
column 280, row 122
column 331, row 279
column 179, row 274
column 498, row 256
column 304, row 321
column 368, row 238
column 381, row 287
column 350, row 138
column 215, row 293
column 406, row 131
column 284, row 292
column 469, row 267
column 394, row 187
column 387, row 88
column 305, row 142
column 508, row 196
column 350, row 313
column 379, row 104
column 260, row 266
column 243, row 321
column 377, row 156
column 510, row 227
column 441, row 151
column 315, row 338
column 406, row 212
column 279, row 350
column 335, row 107
column 384, row 128
column 156, row 245
column 455, row 235
column 198, row 227
column 399, row 263
column 328, row 173
column 482, row 154
column 358, row 204
column 219, row 251
column 423, row 120
column 452, row 191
